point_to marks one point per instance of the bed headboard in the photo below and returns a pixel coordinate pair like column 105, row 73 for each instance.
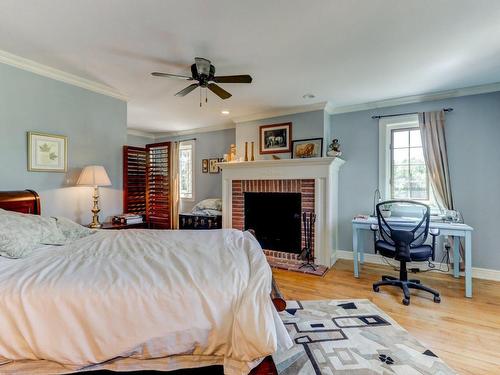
column 24, row 201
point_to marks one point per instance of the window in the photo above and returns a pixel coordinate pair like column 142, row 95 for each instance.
column 409, row 179
column 186, row 173
column 402, row 170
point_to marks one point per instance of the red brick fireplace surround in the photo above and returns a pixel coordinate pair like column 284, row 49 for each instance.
column 303, row 186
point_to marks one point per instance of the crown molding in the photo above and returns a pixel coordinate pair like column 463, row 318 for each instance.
column 59, row 75
column 282, row 112
column 466, row 91
column 207, row 129
column 140, row 133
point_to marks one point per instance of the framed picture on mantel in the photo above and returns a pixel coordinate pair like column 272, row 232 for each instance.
column 275, row 139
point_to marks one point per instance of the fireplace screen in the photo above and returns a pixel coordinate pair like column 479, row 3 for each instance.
column 276, row 220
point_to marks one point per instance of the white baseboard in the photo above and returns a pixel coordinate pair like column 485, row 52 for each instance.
column 478, row 273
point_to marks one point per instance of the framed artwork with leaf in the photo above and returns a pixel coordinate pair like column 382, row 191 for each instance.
column 47, row 152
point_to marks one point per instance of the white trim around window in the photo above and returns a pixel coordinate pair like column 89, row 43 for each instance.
column 189, row 145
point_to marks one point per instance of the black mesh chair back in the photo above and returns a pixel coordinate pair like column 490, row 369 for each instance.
column 404, row 240
column 392, row 231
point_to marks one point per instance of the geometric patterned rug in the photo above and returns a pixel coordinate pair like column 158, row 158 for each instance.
column 351, row 337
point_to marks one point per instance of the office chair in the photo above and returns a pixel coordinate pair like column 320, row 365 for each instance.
column 405, row 243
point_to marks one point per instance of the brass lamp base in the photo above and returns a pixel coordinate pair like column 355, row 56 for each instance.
column 95, row 210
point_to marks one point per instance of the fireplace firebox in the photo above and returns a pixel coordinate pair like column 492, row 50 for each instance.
column 276, row 220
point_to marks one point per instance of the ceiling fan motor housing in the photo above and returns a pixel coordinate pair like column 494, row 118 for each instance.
column 204, row 76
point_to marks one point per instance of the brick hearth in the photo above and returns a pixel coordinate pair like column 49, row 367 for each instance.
column 303, row 186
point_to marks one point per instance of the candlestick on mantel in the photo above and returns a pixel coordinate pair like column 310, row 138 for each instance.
column 252, row 157
column 246, row 151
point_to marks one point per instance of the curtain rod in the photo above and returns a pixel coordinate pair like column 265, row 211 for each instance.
column 403, row 114
column 186, row 140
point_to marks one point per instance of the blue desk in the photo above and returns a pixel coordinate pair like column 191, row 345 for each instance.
column 446, row 229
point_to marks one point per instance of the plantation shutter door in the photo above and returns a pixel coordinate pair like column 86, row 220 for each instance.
column 158, row 197
column 134, row 180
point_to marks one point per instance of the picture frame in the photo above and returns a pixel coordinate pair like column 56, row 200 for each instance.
column 275, row 138
column 47, row 152
column 307, row 148
column 204, row 165
column 212, row 165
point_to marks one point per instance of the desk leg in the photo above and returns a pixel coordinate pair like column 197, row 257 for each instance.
column 355, row 251
column 456, row 256
column 468, row 265
column 361, row 247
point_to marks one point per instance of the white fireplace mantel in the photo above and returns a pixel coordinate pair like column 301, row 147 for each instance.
column 324, row 171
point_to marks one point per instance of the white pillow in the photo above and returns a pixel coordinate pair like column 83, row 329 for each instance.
column 209, row 204
column 71, row 230
column 20, row 234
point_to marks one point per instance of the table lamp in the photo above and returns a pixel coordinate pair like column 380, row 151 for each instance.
column 94, row 175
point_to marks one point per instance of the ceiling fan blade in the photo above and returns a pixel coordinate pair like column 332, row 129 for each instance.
column 168, row 75
column 243, row 78
column 187, row 90
column 219, row 91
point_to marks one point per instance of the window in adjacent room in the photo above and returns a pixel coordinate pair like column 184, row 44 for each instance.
column 402, row 170
column 186, row 170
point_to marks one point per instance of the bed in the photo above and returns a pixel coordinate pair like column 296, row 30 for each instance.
column 138, row 300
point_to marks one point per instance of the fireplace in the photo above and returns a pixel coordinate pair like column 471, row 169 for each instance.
column 276, row 220
column 315, row 179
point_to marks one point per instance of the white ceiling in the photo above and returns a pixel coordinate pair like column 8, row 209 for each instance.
column 344, row 51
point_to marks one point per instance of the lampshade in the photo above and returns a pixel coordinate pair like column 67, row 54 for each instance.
column 94, row 175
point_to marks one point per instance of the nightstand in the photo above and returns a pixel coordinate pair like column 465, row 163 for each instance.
column 112, row 226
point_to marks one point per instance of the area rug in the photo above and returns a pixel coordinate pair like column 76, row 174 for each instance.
column 351, row 337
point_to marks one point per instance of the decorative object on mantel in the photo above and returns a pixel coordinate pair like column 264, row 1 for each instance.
column 307, row 148
column 276, row 157
column 276, row 138
column 47, row 152
column 204, row 165
column 252, row 158
column 232, row 152
column 94, row 175
column 212, row 165
column 308, row 219
column 246, row 151
column 334, row 148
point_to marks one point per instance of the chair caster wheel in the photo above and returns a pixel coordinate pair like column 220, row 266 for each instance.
column 406, row 301
column 376, row 289
column 437, row 299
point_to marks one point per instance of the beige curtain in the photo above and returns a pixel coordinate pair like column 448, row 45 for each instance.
column 436, row 156
column 174, row 173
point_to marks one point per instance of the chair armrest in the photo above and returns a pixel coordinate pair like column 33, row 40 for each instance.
column 374, row 227
column 434, row 232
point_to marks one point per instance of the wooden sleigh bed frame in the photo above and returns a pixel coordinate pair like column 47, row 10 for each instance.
column 28, row 202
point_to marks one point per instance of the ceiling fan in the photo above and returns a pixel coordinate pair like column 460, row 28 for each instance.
column 204, row 72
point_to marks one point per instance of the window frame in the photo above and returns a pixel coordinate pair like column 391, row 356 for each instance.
column 183, row 145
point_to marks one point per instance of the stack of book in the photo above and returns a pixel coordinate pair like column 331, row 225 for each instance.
column 128, row 219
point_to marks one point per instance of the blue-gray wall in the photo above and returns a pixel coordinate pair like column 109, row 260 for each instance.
column 304, row 125
column 473, row 137
column 96, row 128
column 138, row 141
column 208, row 145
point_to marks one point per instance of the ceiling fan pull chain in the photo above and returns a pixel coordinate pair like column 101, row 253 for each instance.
column 206, row 97
column 200, row 97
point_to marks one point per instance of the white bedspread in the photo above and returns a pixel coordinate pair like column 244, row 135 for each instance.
column 141, row 294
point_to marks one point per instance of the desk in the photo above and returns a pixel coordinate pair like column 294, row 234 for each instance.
column 455, row 230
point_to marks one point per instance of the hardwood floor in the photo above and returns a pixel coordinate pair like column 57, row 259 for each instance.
column 464, row 332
